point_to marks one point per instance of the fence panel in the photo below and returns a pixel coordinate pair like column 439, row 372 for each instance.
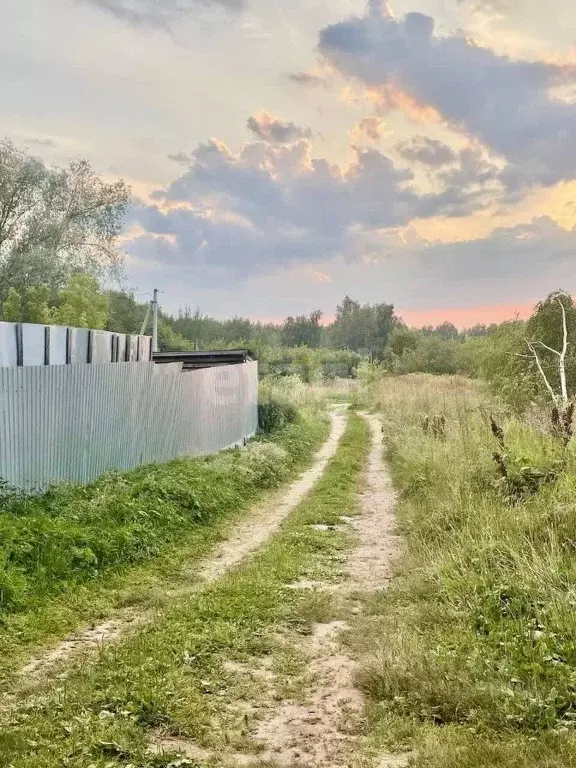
column 71, row 423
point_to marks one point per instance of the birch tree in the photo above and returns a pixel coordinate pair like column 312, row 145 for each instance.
column 550, row 334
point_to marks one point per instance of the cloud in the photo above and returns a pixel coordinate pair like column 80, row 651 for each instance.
column 306, row 79
column 272, row 205
column 469, row 185
column 368, row 128
column 505, row 104
column 513, row 264
column 41, row 142
column 181, row 157
column 159, row 13
column 422, row 149
column 537, row 251
column 270, row 128
column 517, row 263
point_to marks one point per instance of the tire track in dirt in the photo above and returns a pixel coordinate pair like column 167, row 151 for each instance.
column 247, row 537
column 324, row 732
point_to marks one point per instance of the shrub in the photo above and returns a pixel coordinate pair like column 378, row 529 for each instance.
column 275, row 414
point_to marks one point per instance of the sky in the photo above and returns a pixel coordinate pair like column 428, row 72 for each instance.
column 420, row 153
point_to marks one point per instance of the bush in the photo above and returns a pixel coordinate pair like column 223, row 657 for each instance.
column 274, row 415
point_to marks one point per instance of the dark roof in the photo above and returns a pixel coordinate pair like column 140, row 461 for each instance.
column 194, row 360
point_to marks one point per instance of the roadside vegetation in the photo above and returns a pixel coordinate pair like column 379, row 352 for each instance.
column 470, row 657
column 73, row 553
column 176, row 678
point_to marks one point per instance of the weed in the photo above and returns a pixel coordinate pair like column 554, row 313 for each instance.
column 75, row 553
column 173, row 675
column 274, row 415
column 477, row 632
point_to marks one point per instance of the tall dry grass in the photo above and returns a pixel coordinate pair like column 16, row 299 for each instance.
column 478, row 634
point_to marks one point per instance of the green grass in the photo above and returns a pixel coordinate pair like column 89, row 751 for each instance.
column 470, row 658
column 74, row 554
column 172, row 676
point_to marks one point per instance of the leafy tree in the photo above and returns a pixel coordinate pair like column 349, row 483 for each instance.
column 363, row 328
column 36, row 300
column 432, row 354
column 29, row 307
column 303, row 330
column 23, row 185
column 545, row 330
column 125, row 314
column 447, row 331
column 12, row 307
column 55, row 222
column 82, row 305
column 480, row 330
column 501, row 363
column 403, row 339
column 169, row 340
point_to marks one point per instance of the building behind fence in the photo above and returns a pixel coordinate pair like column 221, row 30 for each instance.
column 75, row 403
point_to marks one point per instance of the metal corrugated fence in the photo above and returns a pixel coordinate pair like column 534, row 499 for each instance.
column 71, row 423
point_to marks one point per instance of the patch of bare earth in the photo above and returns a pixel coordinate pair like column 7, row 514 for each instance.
column 246, row 538
column 324, row 732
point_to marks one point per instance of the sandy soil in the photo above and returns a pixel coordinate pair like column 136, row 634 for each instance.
column 323, row 733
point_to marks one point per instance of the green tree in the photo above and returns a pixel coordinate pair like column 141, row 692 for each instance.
column 12, row 307
column 403, row 339
column 545, row 331
column 36, row 304
column 29, row 307
column 363, row 328
column 447, row 331
column 431, row 355
column 55, row 222
column 303, row 330
column 125, row 314
column 503, row 365
column 169, row 340
column 82, row 305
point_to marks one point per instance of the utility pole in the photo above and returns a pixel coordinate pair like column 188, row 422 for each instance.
column 155, row 321
column 146, row 318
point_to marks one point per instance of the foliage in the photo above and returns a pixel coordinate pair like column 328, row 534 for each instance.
column 363, row 328
column 303, row 330
column 274, row 415
column 81, row 304
column 545, row 328
column 403, row 340
column 177, row 674
column 12, row 307
column 208, row 332
column 71, row 535
column 308, row 364
column 55, row 222
column 29, row 306
column 477, row 633
column 432, row 354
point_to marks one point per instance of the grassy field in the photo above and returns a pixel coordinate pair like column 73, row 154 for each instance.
column 74, row 554
column 470, row 658
column 174, row 677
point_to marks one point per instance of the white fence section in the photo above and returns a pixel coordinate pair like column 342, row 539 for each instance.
column 71, row 423
column 28, row 344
